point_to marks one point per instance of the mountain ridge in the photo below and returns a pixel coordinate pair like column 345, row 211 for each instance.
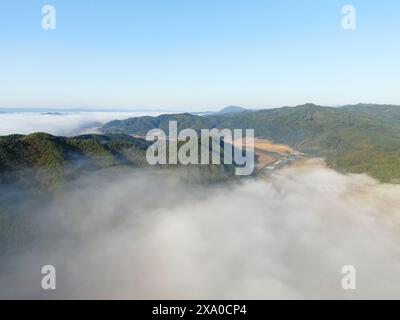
column 354, row 139
column 49, row 162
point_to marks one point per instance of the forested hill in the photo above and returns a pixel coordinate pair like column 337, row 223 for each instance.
column 44, row 162
column 360, row 138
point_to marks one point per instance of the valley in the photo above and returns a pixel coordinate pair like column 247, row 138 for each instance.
column 352, row 139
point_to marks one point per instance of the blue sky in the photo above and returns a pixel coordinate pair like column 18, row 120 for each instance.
column 197, row 55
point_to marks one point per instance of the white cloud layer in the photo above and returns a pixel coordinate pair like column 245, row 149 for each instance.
column 64, row 123
column 140, row 235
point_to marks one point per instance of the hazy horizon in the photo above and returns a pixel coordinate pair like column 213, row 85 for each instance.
column 157, row 109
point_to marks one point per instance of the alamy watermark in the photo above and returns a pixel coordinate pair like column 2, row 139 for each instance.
column 183, row 147
column 49, row 277
column 349, row 20
column 49, row 17
column 349, row 280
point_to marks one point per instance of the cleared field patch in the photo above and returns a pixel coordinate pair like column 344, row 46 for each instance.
column 264, row 145
column 269, row 146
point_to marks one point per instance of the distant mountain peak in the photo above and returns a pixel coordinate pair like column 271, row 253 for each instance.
column 309, row 104
column 232, row 109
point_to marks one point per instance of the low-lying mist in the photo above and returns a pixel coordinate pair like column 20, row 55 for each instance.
column 60, row 123
column 146, row 235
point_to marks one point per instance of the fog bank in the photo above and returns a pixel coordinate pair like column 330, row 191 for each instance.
column 60, row 123
column 147, row 236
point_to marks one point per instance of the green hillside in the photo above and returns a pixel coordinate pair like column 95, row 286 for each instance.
column 46, row 162
column 49, row 161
